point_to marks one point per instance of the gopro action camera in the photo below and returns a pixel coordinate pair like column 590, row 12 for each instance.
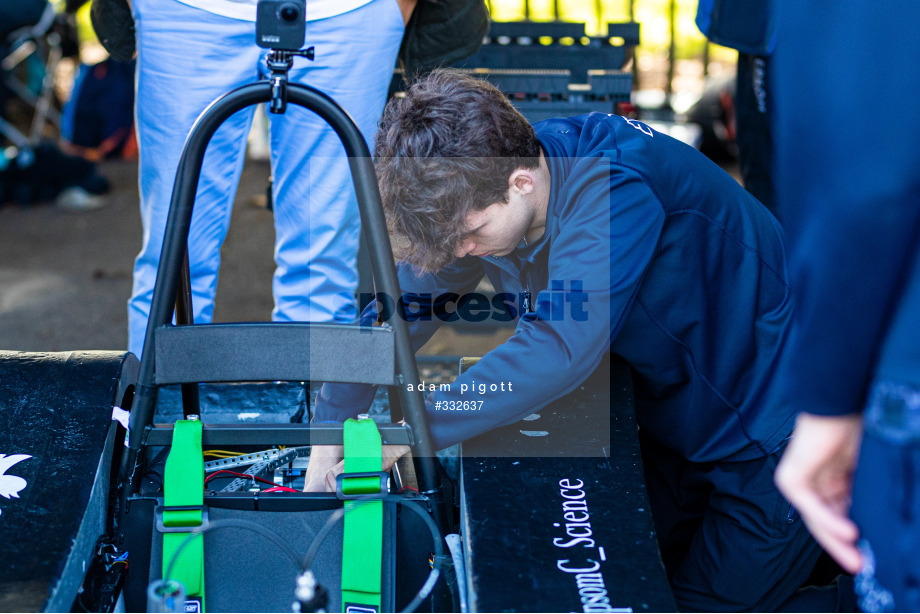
column 281, row 24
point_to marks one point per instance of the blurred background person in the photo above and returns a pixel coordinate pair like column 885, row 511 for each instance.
column 849, row 195
column 747, row 25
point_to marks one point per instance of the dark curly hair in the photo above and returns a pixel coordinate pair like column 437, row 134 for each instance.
column 444, row 150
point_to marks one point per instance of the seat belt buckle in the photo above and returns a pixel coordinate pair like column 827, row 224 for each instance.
column 159, row 510
column 382, row 492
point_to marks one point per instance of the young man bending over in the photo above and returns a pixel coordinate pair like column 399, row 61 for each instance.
column 662, row 259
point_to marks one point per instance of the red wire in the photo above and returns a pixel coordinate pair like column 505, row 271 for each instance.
column 280, row 489
column 239, row 475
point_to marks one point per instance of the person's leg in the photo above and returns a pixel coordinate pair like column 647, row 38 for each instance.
column 677, row 499
column 316, row 214
column 752, row 552
column 186, row 58
column 837, row 595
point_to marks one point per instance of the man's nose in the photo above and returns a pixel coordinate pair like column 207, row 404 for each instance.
column 464, row 248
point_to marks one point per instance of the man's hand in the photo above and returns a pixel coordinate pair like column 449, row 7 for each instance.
column 323, row 459
column 326, row 463
column 816, row 476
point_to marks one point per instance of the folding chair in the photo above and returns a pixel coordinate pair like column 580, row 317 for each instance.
column 26, row 32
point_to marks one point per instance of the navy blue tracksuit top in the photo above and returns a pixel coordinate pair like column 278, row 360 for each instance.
column 650, row 252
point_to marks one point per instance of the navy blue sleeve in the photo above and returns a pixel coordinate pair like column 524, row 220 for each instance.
column 745, row 25
column 848, row 175
column 610, row 226
column 423, row 296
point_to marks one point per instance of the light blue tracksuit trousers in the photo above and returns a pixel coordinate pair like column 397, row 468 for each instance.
column 188, row 57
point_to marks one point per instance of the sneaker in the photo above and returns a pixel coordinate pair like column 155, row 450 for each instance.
column 78, row 199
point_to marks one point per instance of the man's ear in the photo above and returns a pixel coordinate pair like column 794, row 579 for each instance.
column 522, row 181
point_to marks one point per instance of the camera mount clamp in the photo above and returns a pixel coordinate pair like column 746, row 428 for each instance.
column 279, row 63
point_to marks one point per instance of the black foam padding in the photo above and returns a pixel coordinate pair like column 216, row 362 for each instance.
column 55, row 408
column 555, row 512
column 270, row 351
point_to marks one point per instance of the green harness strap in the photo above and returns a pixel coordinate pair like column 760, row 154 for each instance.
column 362, row 544
column 183, row 486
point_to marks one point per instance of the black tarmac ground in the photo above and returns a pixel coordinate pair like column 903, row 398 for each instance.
column 65, row 276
